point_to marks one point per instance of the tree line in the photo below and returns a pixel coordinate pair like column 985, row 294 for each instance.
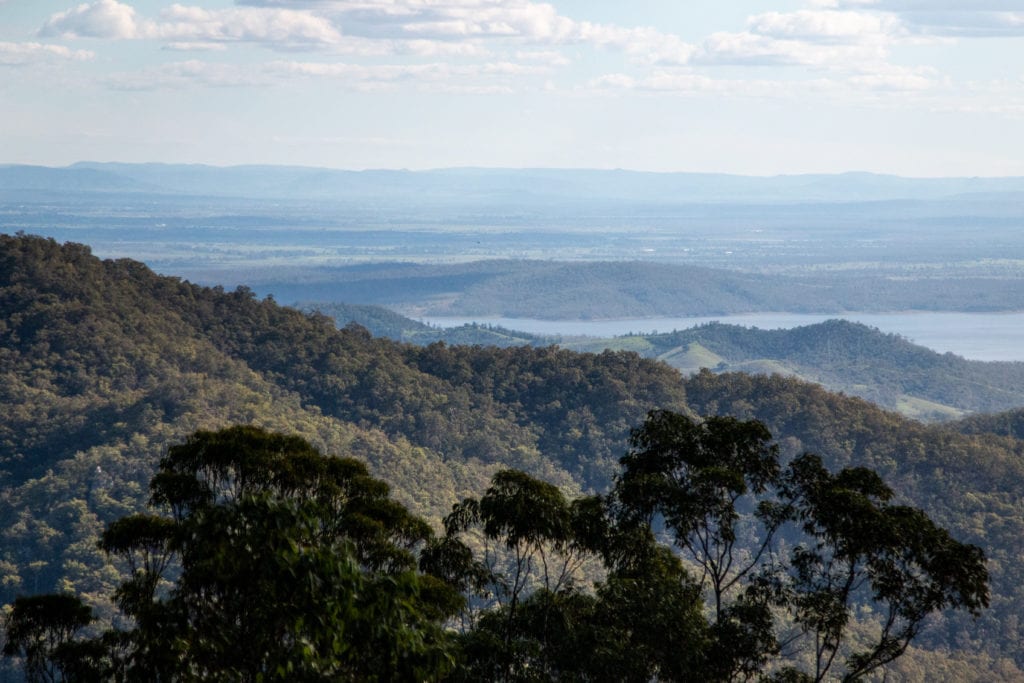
column 104, row 365
column 709, row 559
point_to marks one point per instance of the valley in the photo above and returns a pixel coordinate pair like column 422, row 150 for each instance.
column 171, row 321
column 106, row 364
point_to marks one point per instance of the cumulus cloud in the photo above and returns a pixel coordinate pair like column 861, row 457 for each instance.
column 517, row 21
column 425, row 29
column 181, row 24
column 830, row 39
column 953, row 18
column 495, row 46
column 825, row 26
column 101, row 19
column 24, row 54
column 755, row 49
column 275, row 26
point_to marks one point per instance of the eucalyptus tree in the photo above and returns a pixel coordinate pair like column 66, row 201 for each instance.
column 785, row 554
column 267, row 560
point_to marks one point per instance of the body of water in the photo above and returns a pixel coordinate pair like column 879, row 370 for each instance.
column 978, row 336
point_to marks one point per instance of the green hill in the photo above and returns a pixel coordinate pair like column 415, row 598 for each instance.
column 855, row 359
column 842, row 356
column 103, row 364
column 973, row 484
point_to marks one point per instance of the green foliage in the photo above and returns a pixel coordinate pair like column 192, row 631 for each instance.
column 786, row 557
column 40, row 630
column 382, row 322
column 696, row 476
column 712, row 481
column 840, row 355
column 104, row 366
column 276, row 563
column 537, row 617
column 911, row 566
column 969, row 485
column 855, row 359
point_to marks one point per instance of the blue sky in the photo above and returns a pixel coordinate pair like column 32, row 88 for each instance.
column 912, row 87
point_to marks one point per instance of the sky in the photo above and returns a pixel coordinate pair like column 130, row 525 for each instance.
column 909, row 87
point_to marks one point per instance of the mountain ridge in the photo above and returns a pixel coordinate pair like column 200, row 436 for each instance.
column 104, row 363
column 475, row 184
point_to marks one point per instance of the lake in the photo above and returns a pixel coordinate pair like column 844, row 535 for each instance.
column 978, row 336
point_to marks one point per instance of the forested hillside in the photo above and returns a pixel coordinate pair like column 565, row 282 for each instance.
column 842, row 356
column 855, row 359
column 972, row 484
column 383, row 322
column 104, row 364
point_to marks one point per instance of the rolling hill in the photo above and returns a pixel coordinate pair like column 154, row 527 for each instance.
column 103, row 364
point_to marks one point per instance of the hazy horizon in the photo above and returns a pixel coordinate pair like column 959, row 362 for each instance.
column 156, row 162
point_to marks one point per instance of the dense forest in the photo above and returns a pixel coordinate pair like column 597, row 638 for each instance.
column 272, row 561
column 104, row 365
column 841, row 356
column 855, row 359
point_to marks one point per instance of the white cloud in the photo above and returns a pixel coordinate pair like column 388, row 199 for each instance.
column 23, row 54
column 825, row 26
column 955, row 18
column 495, row 45
column 968, row 24
column 431, row 29
column 926, row 5
column 181, row 24
column 518, row 21
column 280, row 27
column 101, row 19
column 845, row 41
column 755, row 49
column 482, row 78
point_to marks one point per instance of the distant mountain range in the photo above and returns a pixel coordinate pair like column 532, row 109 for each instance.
column 479, row 185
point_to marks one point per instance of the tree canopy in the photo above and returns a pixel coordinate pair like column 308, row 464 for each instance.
column 267, row 561
column 104, row 364
column 719, row 563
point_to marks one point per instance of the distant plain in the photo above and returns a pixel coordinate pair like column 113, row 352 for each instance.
column 896, row 253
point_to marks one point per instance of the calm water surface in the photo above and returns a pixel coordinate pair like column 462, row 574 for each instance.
column 978, row 336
